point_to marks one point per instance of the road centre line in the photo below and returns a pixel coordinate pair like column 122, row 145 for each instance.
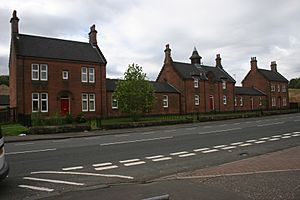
column 236, row 143
column 296, row 135
column 186, row 155
column 276, row 123
column 102, row 164
column 169, row 131
column 153, row 157
column 134, row 163
column 264, row 138
column 83, row 174
column 53, row 181
column 285, row 137
column 149, row 132
column 296, row 132
column 161, row 159
column 105, row 168
column 210, row 151
column 287, row 134
column 246, row 144
column 218, row 131
column 202, row 149
column 274, row 139
column 229, row 147
column 130, row 160
column 30, row 151
column 192, row 128
column 134, row 141
column 236, row 123
column 36, row 188
column 220, row 146
column 259, row 142
column 122, row 135
column 72, row 168
column 251, row 140
column 276, row 136
column 178, row 153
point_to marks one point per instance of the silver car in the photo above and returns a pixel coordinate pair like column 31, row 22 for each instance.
column 3, row 164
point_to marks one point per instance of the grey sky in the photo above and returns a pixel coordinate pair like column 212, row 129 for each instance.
column 137, row 31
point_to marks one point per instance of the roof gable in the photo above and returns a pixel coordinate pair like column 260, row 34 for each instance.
column 272, row 76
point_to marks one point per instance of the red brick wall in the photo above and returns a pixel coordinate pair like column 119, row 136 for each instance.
column 247, row 103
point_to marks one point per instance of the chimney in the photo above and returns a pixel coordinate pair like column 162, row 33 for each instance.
column 14, row 24
column 195, row 58
column 253, row 64
column 93, row 35
column 273, row 66
column 218, row 61
column 168, row 58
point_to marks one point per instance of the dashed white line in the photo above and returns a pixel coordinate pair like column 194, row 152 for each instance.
column 202, row 149
column 133, row 141
column 276, row 136
column 236, row 123
column 30, row 151
column 274, row 139
column 153, row 157
column 102, row 164
column 286, row 137
column 72, row 168
column 122, row 135
column 246, row 144
column 169, row 131
column 193, row 128
column 178, row 153
column 264, row 138
column 236, row 143
column 161, row 159
column 220, row 146
column 229, row 147
column 186, row 155
column 219, row 131
column 36, row 188
column 251, row 140
column 147, row 133
column 296, row 135
column 105, row 168
column 210, row 151
column 276, row 123
column 296, row 132
column 83, row 174
column 287, row 134
column 259, row 142
column 134, row 163
column 130, row 160
column 53, row 181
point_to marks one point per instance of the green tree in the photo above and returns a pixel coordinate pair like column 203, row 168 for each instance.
column 294, row 83
column 4, row 79
column 135, row 94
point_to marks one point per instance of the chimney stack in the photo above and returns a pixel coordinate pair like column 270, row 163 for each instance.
column 218, row 61
column 195, row 58
column 273, row 66
column 168, row 58
column 253, row 64
column 14, row 24
column 93, row 35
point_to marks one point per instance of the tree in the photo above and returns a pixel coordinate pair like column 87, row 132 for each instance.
column 294, row 83
column 135, row 94
column 4, row 79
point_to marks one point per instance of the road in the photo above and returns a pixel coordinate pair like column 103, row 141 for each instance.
column 40, row 169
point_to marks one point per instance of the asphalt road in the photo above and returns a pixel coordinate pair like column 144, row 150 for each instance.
column 48, row 168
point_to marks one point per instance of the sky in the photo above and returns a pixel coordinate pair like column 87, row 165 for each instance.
column 132, row 31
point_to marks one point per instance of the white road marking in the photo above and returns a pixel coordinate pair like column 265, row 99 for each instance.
column 246, row 144
column 72, row 168
column 53, row 181
column 229, row 147
column 259, row 142
column 285, row 137
column 296, row 135
column 102, row 164
column 30, row 151
column 130, row 160
column 264, row 138
column 296, row 132
column 276, row 136
column 274, row 139
column 153, row 157
column 23, row 144
column 210, row 151
column 276, row 123
column 220, row 146
column 134, row 141
column 218, row 131
column 122, row 135
column 202, row 149
column 236, row 123
column 186, row 155
column 178, row 153
column 147, row 133
column 161, row 159
column 134, row 163
column 236, row 143
column 169, row 131
column 36, row 188
column 193, row 128
column 287, row 134
column 105, row 168
column 83, row 174
column 251, row 140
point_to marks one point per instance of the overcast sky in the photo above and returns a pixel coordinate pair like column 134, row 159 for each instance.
column 137, row 31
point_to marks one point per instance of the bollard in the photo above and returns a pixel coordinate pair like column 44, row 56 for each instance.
column 163, row 197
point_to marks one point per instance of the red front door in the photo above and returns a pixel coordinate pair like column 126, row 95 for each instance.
column 64, row 106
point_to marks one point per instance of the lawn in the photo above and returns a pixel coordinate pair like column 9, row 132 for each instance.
column 13, row 129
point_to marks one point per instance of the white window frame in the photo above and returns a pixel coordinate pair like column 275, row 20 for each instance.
column 44, row 100
column 283, row 89
column 91, row 71
column 114, row 103
column 197, row 100
column 65, row 74
column 43, row 72
column 84, row 99
column 272, row 88
column 92, row 102
column 224, row 100
column 235, row 101
column 196, row 83
column 284, row 102
column 35, row 100
column 273, row 101
column 224, row 84
column 241, row 101
column 84, row 75
column 165, row 101
column 278, row 88
column 260, row 101
column 35, row 72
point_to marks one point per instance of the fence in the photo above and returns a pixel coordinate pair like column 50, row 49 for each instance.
column 8, row 115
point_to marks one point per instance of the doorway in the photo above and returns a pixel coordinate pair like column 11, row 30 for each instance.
column 64, row 106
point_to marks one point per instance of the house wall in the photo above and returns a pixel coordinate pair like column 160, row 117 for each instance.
column 247, row 103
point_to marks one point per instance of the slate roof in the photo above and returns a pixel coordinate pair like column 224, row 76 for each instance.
column 158, row 86
column 4, row 100
column 44, row 47
column 248, row 91
column 272, row 76
column 187, row 71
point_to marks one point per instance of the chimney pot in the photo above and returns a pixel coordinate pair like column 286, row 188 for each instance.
column 14, row 23
column 253, row 64
column 93, row 35
column 168, row 58
column 273, row 66
column 218, row 61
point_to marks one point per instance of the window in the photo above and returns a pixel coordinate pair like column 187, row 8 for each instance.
column 65, row 75
column 241, row 101
column 224, row 99
column 84, row 74
column 165, row 101
column 224, row 84
column 235, row 101
column 92, row 102
column 114, row 103
column 88, row 102
column 278, row 88
column 196, row 100
column 272, row 88
column 44, row 72
column 196, row 83
column 260, row 101
column 273, row 101
column 283, row 88
column 284, row 101
column 39, row 102
column 88, row 74
column 35, row 72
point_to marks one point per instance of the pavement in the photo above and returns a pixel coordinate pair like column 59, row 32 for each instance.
column 273, row 176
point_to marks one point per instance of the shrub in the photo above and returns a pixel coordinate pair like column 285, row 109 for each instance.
column 69, row 118
column 80, row 118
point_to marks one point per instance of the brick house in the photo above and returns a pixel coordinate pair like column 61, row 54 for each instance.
column 202, row 88
column 247, row 98
column 53, row 76
column 270, row 82
column 167, row 99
